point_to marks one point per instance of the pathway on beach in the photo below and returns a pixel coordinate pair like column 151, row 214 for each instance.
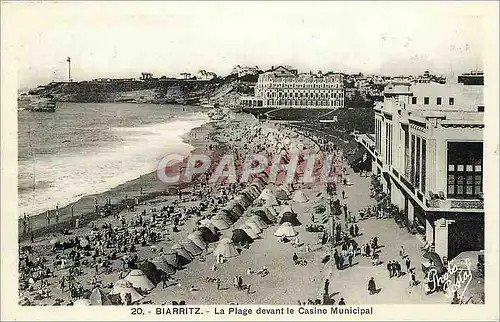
column 352, row 283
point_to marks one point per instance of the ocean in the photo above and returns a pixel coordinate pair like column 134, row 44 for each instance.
column 87, row 148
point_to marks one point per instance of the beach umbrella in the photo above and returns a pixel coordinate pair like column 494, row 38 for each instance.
column 98, row 297
column 163, row 266
column 122, row 287
column 253, row 226
column 285, row 230
column 139, row 280
column 82, row 302
column 172, row 259
column 197, row 238
column 226, row 248
column 258, row 221
column 207, row 235
column 191, row 247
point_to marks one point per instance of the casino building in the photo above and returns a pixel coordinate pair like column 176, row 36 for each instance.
column 428, row 150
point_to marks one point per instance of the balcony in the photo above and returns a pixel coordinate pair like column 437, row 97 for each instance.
column 456, row 204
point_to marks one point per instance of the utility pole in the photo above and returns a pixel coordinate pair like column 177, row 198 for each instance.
column 69, row 69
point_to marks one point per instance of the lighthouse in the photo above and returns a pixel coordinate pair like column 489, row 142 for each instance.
column 69, row 69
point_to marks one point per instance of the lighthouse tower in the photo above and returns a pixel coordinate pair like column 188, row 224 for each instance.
column 69, row 69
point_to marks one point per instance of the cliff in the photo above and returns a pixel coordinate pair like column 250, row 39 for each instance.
column 223, row 91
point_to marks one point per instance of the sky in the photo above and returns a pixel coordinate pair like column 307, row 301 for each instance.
column 167, row 38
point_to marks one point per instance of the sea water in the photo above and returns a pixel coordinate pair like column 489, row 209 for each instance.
column 87, row 148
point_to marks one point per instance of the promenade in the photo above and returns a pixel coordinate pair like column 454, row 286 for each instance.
column 352, row 283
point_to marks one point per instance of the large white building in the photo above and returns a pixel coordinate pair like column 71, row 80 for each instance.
column 283, row 87
column 428, row 150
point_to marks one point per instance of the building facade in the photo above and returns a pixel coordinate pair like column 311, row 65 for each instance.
column 283, row 87
column 428, row 150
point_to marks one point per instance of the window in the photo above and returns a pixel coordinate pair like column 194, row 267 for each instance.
column 426, row 100
column 451, row 101
column 438, row 101
column 417, row 166
column 480, row 108
column 414, row 100
column 424, row 160
column 465, row 176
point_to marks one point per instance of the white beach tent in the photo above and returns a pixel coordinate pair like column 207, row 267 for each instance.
column 253, row 226
column 285, row 230
column 299, row 196
column 249, row 231
column 139, row 280
column 220, row 223
column 226, row 248
column 269, row 198
column 122, row 287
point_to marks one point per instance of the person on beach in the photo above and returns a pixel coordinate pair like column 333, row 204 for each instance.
column 249, row 288
column 218, row 284
column 341, row 302
column 372, row 287
column 389, row 268
column 32, row 238
column 343, row 194
column 327, row 285
column 408, row 263
column 48, row 217
column 402, row 252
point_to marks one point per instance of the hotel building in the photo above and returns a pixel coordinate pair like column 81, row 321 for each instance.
column 428, row 151
column 283, row 87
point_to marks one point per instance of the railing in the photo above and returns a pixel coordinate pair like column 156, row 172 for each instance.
column 467, row 204
column 407, row 184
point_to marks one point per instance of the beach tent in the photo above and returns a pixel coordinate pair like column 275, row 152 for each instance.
column 282, row 193
column 172, row 259
column 224, row 217
column 208, row 223
column 98, row 297
column 235, row 207
column 260, row 223
column 265, row 214
column 219, row 222
column 82, row 302
column 233, row 217
column 286, row 209
column 191, row 247
column 290, row 218
column 150, row 271
column 163, row 266
column 226, row 248
column 269, row 198
column 139, row 280
column 252, row 192
column 257, row 183
column 184, row 256
column 197, row 238
column 208, row 235
column 241, row 236
column 299, row 196
column 249, row 232
column 285, row 230
column 122, row 287
column 244, row 199
column 253, row 226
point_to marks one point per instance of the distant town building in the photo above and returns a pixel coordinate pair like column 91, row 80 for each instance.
column 146, row 76
column 428, row 153
column 283, row 87
column 472, row 78
column 245, row 70
column 205, row 76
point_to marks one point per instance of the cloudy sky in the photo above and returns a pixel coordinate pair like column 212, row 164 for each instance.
column 124, row 39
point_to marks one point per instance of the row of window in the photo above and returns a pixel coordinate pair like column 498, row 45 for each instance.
column 439, row 100
column 306, row 95
column 299, row 85
column 337, row 103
